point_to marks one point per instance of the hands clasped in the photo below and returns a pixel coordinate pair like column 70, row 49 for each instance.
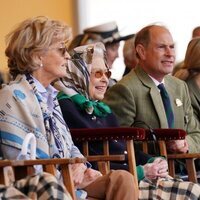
column 159, row 168
column 177, row 146
column 83, row 176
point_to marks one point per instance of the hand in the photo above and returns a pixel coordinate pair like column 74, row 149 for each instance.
column 90, row 176
column 159, row 168
column 177, row 146
column 78, row 172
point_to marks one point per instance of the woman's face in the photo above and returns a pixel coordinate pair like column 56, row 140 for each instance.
column 54, row 62
column 112, row 53
column 98, row 79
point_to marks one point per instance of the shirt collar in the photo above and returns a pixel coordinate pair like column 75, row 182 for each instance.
column 155, row 81
column 49, row 90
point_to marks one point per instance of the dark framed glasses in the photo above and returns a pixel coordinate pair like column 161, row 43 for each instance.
column 62, row 50
column 100, row 73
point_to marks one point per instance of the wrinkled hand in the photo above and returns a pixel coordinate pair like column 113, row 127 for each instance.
column 90, row 176
column 78, row 172
column 177, row 146
column 159, row 168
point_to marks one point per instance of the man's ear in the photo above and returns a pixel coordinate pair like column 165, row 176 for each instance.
column 140, row 50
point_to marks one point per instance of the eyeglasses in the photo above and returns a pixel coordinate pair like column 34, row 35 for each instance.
column 100, row 73
column 62, row 50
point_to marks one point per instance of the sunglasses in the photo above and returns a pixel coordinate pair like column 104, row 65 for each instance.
column 100, row 73
column 62, row 50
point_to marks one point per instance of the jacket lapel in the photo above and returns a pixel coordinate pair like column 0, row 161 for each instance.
column 154, row 95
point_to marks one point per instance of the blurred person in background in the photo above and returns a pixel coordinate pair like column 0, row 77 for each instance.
column 195, row 33
column 190, row 73
column 129, row 54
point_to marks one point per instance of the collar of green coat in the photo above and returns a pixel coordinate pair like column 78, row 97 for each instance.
column 96, row 108
column 144, row 77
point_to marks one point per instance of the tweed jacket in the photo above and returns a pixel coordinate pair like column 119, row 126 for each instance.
column 195, row 96
column 136, row 101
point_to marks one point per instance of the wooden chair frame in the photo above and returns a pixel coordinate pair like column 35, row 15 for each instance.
column 107, row 134
column 22, row 168
column 163, row 135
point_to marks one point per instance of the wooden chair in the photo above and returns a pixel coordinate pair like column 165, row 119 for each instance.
column 163, row 135
column 22, row 168
column 106, row 135
column 160, row 136
column 189, row 161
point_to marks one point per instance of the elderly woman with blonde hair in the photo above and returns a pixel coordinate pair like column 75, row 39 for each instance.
column 129, row 53
column 190, row 72
column 37, row 56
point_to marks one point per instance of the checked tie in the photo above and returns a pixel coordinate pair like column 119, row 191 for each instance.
column 167, row 105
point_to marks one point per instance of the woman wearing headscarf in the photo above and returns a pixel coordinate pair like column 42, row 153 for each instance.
column 83, row 88
column 37, row 56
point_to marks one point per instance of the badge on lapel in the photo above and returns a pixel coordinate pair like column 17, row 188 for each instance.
column 178, row 102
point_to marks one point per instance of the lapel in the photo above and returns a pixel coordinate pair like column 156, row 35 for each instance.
column 172, row 91
column 154, row 95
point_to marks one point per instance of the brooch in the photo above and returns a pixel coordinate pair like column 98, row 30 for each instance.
column 179, row 102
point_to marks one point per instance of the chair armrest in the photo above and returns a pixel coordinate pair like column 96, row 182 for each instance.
column 166, row 134
column 184, row 156
column 22, row 168
column 96, row 134
column 15, row 163
column 106, row 158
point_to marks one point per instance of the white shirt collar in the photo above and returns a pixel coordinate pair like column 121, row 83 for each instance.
column 48, row 94
column 50, row 90
column 155, row 81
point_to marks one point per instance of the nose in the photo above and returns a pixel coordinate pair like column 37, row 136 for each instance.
column 116, row 54
column 67, row 56
column 169, row 51
column 104, row 78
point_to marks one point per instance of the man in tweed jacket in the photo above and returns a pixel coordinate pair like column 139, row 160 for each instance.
column 136, row 98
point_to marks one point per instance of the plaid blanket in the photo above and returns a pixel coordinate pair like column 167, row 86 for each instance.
column 168, row 189
column 43, row 186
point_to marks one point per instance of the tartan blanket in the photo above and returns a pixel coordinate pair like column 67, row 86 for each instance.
column 41, row 186
column 168, row 189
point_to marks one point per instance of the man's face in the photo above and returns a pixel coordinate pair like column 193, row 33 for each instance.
column 159, row 55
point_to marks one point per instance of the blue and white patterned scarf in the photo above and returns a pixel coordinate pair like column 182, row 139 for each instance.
column 50, row 122
column 22, row 111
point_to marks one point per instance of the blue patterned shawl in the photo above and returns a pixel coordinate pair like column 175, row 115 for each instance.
column 21, row 113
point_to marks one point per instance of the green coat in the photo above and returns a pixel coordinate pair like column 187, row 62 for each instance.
column 136, row 101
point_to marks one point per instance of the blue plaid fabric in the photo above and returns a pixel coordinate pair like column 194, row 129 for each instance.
column 167, row 105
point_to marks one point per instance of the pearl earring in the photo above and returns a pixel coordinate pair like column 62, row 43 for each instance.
column 41, row 65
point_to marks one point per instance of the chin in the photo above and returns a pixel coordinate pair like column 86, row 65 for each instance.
column 62, row 74
column 99, row 97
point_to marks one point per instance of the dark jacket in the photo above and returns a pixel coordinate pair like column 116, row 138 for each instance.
column 77, row 118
